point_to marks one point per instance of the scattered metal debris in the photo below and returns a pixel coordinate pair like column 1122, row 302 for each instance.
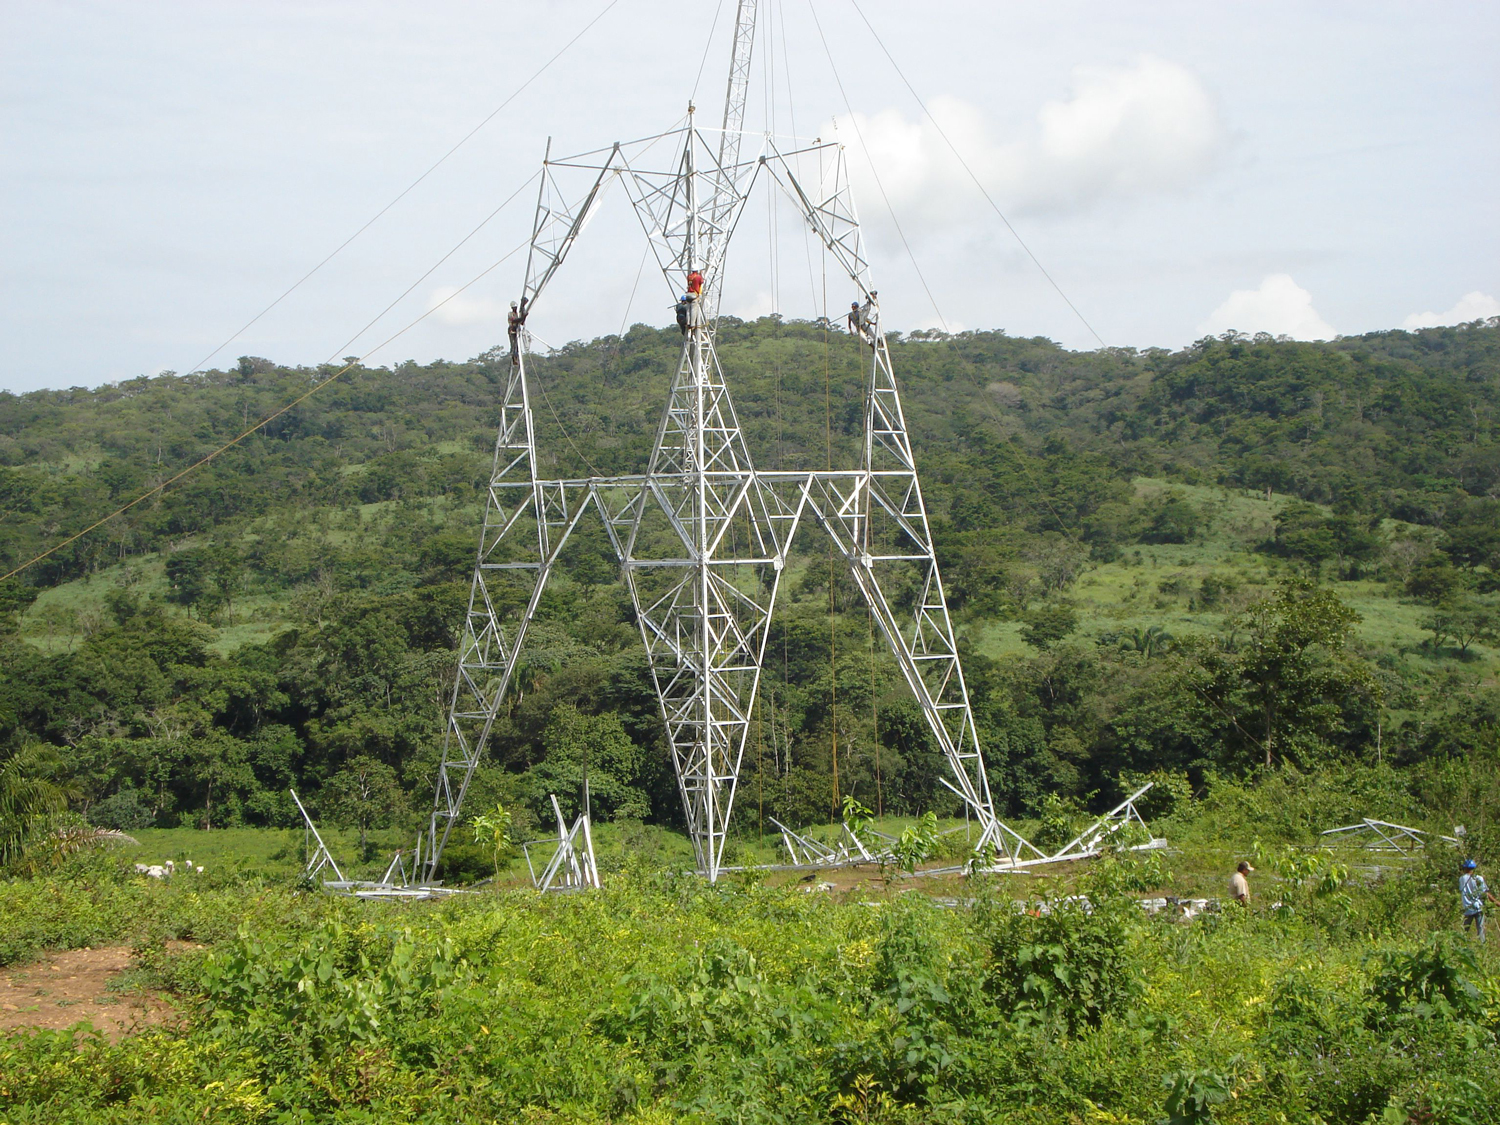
column 1013, row 852
column 321, row 857
column 571, row 868
column 1097, row 836
column 1383, row 836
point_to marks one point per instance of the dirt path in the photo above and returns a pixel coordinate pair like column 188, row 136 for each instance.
column 65, row 988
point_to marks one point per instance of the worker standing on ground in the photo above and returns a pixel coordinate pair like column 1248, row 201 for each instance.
column 1239, row 883
column 1473, row 890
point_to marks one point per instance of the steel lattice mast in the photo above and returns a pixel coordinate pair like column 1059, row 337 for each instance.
column 702, row 536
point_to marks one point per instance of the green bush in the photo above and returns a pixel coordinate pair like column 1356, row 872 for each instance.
column 1068, row 959
column 662, row 999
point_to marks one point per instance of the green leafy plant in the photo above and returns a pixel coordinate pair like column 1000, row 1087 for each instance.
column 1064, row 958
column 1312, row 878
column 1434, row 981
column 28, row 798
column 492, row 831
column 859, row 819
column 1193, row 1094
column 916, row 842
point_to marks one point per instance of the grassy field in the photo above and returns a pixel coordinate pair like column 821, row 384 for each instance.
column 1149, row 585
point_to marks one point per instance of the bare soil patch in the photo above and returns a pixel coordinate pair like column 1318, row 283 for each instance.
column 66, row 988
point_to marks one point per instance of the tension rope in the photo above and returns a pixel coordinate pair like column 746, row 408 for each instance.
column 433, row 167
column 408, row 189
column 977, row 182
column 869, row 159
column 232, row 442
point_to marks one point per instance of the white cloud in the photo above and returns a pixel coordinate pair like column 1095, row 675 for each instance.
column 1280, row 306
column 762, row 304
column 1148, row 127
column 1471, row 306
column 464, row 309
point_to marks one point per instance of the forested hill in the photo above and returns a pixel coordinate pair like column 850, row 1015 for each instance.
column 1393, row 424
column 288, row 609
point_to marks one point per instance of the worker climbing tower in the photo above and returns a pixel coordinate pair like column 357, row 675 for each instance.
column 702, row 535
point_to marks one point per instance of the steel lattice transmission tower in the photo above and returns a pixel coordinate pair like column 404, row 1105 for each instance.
column 702, row 536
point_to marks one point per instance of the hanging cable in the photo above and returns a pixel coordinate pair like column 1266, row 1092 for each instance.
column 457, row 246
column 269, row 417
column 833, row 644
column 630, row 304
column 406, row 190
column 977, row 183
column 791, row 107
column 1037, row 262
column 567, row 436
column 711, row 29
column 875, row 171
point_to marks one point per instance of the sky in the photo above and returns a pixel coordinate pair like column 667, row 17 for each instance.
column 1164, row 170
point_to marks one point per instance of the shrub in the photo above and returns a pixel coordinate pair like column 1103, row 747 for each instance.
column 1067, row 959
column 125, row 810
column 1433, row 981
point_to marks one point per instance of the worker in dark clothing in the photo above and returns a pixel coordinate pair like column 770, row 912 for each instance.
column 856, row 322
column 863, row 318
column 682, row 314
column 516, row 320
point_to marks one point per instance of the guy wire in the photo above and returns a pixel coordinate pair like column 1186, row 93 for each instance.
column 267, row 419
column 977, row 183
column 406, row 190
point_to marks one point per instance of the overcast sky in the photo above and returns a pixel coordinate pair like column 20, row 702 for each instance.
column 167, row 169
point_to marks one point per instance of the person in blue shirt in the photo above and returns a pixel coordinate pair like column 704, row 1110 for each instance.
column 1473, row 891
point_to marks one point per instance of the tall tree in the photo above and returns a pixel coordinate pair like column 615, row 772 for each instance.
column 364, row 795
column 1294, row 668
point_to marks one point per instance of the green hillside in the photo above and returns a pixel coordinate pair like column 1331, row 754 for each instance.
column 1188, row 561
column 1264, row 574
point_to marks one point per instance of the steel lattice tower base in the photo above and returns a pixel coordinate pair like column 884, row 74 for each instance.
column 702, row 536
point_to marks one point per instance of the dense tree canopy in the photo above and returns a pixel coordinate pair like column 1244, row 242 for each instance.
column 286, row 615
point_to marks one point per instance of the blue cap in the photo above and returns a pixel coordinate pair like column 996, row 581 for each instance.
column 1469, row 865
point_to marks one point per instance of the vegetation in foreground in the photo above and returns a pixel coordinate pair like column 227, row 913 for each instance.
column 1262, row 573
column 662, row 999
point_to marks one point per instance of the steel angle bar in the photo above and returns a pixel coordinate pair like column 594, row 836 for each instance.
column 792, row 840
column 1089, row 841
column 397, row 868
column 852, row 837
column 322, row 857
column 576, row 865
column 544, row 260
column 832, row 217
column 1388, row 837
column 550, row 550
column 1376, row 827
